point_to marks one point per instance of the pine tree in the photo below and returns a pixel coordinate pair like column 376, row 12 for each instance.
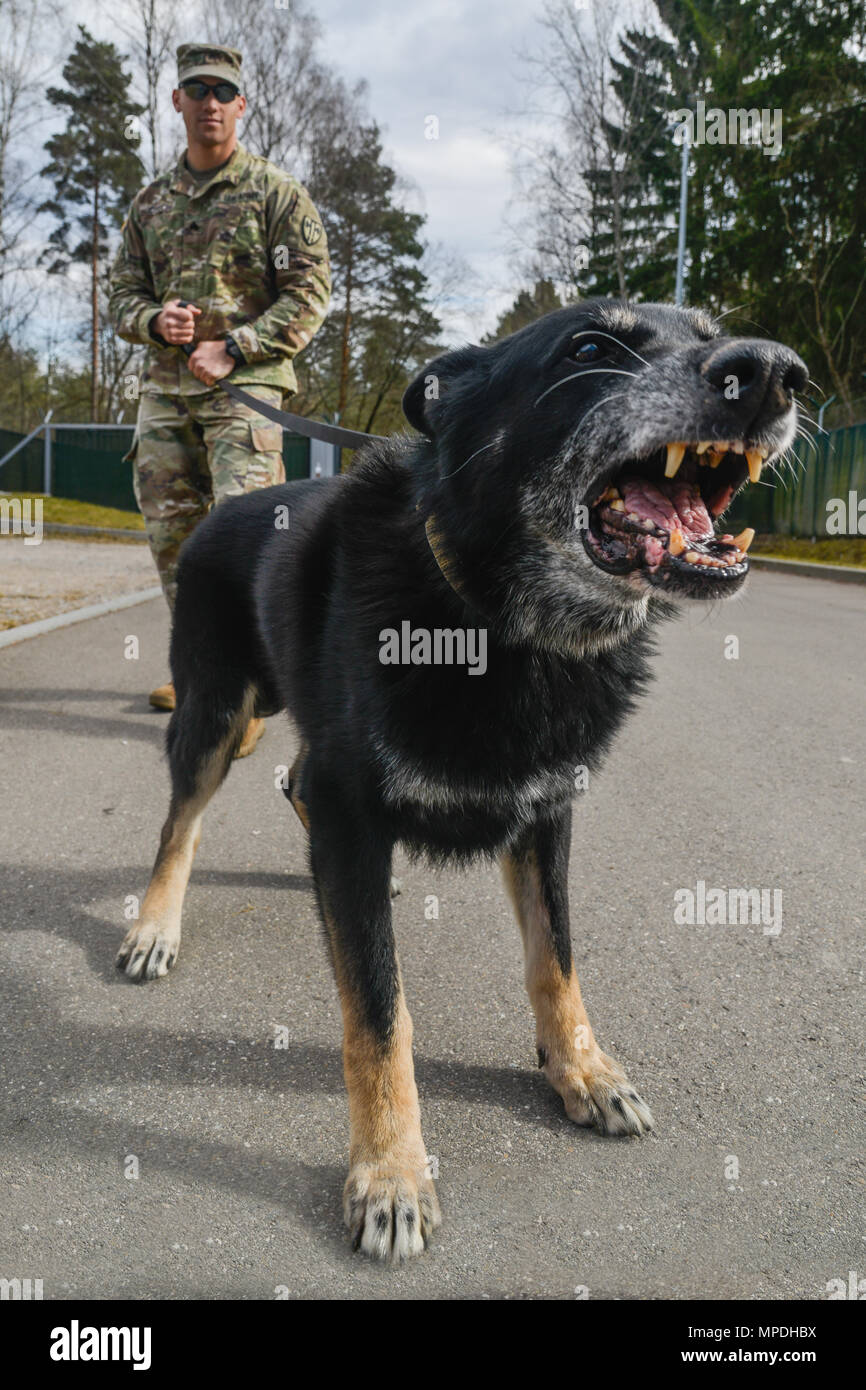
column 380, row 325
column 528, row 306
column 635, row 195
column 94, row 167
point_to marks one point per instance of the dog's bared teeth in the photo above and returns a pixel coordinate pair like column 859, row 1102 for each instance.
column 692, row 557
column 744, row 539
column 618, row 505
column 610, row 494
column 676, row 454
column 720, row 446
column 676, row 545
column 714, row 457
column 755, row 460
column 702, row 446
column 736, row 446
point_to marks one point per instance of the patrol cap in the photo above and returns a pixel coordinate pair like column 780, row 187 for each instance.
column 208, row 60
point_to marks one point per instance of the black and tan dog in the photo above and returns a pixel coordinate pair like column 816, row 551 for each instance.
column 563, row 494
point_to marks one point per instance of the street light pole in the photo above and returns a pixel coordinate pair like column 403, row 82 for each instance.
column 681, row 244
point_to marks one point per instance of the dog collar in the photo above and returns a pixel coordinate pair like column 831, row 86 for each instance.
column 447, row 564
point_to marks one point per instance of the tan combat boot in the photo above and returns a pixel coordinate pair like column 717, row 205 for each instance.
column 163, row 696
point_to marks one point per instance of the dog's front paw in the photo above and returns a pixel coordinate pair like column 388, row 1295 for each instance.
column 598, row 1093
column 149, row 950
column 390, row 1210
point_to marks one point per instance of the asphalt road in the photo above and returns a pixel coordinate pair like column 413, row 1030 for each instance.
column 746, row 1044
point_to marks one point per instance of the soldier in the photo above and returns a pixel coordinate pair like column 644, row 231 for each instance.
column 241, row 241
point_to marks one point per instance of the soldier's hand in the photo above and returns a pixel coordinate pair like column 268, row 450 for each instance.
column 210, row 362
column 175, row 324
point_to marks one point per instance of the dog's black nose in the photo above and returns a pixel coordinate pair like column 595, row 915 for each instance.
column 757, row 367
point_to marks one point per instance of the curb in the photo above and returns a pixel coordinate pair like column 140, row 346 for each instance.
column 842, row 574
column 76, row 615
column 62, row 528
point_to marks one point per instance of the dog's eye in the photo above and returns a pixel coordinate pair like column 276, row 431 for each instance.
column 586, row 353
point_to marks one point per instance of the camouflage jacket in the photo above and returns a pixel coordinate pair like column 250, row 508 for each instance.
column 247, row 246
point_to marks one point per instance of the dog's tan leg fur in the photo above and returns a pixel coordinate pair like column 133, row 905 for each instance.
column 300, row 806
column 295, row 772
column 151, row 946
column 594, row 1088
column 389, row 1200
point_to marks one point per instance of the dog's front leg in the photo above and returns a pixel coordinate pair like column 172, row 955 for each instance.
column 594, row 1088
column 389, row 1200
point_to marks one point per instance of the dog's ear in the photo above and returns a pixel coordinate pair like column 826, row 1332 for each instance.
column 425, row 398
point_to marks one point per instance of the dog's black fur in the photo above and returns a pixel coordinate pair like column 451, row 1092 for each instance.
column 471, row 525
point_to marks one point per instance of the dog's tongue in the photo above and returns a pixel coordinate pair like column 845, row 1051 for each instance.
column 674, row 502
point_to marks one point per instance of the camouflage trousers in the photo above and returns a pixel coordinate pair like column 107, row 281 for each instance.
column 191, row 452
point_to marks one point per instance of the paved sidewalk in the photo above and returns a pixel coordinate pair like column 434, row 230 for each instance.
column 747, row 1046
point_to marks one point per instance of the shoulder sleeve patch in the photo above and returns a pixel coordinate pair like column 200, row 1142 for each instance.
column 311, row 230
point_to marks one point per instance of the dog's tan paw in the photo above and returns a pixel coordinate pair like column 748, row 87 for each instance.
column 149, row 950
column 599, row 1094
column 390, row 1211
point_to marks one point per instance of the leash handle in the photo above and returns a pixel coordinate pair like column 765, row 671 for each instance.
column 297, row 424
column 186, row 348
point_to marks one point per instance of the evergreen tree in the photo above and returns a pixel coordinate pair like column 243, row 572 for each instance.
column 380, row 325
column 528, row 306
column 94, row 167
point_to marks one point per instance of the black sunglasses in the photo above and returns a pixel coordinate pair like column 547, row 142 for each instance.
column 223, row 91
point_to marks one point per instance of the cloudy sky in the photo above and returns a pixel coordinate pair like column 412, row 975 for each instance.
column 457, row 60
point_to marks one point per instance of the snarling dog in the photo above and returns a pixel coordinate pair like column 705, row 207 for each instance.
column 566, row 490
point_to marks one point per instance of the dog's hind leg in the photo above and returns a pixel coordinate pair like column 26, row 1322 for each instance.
column 389, row 1200
column 594, row 1088
column 205, row 732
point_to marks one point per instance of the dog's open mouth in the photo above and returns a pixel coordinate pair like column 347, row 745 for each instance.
column 657, row 515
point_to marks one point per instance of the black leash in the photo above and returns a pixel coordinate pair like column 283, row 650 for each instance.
column 332, row 434
column 298, row 424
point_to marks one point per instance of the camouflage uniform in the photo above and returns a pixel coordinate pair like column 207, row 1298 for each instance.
column 247, row 247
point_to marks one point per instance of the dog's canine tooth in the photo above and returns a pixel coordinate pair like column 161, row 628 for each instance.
column 744, row 539
column 676, row 454
column 755, row 460
column 676, row 545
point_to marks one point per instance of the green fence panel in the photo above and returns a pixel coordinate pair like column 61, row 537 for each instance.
column 24, row 472
column 796, row 500
column 87, row 465
column 296, row 456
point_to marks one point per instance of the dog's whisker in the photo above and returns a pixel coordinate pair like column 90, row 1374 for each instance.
column 605, row 400
column 816, row 386
column 471, row 457
column 596, row 333
column 725, row 312
column 802, row 415
column 803, row 434
column 589, row 371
